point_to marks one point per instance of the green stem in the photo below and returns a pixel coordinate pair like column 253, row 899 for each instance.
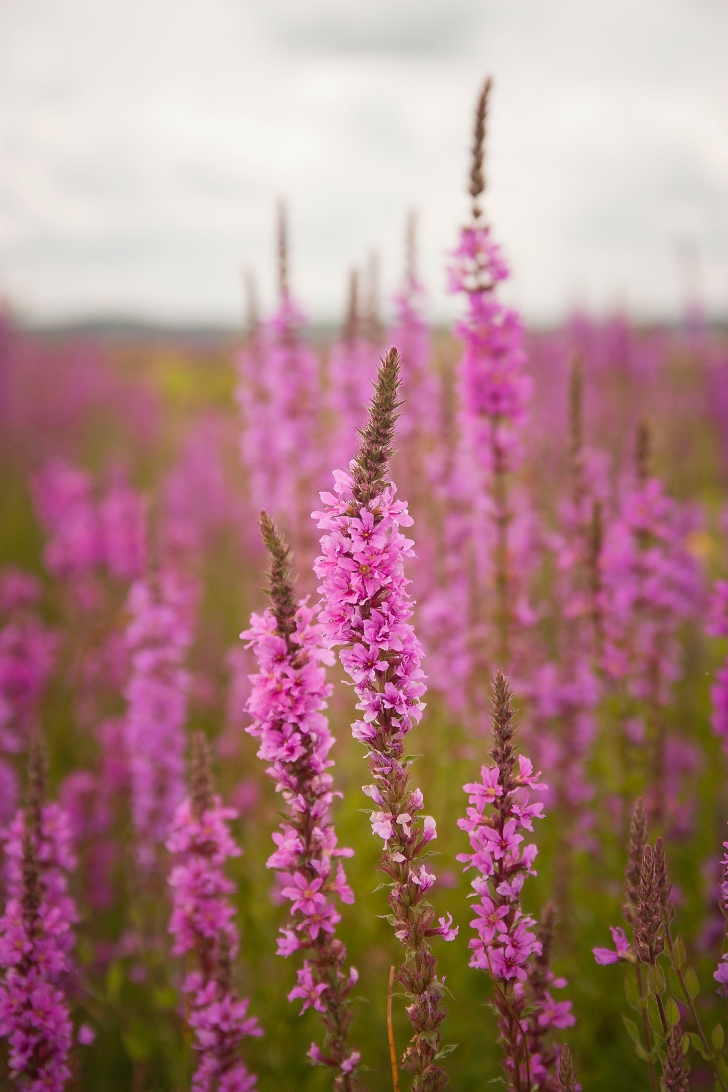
column 646, row 1028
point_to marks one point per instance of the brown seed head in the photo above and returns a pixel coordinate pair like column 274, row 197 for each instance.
column 280, row 576
column 282, row 250
column 503, row 753
column 637, row 839
column 477, row 175
column 643, row 452
column 370, row 472
column 649, row 938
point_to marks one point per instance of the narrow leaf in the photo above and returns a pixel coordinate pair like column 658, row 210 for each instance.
column 691, row 983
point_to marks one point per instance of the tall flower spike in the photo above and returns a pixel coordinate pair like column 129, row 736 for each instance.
column 158, row 635
column 493, row 393
column 366, row 608
column 546, row 1014
column 204, row 930
column 35, row 942
column 506, row 946
column 286, row 702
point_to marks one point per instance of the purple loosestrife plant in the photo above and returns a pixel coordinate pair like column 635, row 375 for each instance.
column 36, row 939
column 27, row 659
column 281, row 452
column 159, row 635
column 494, row 391
column 506, row 945
column 287, row 702
column 651, row 586
column 648, row 909
column 204, row 930
column 351, row 370
column 366, row 609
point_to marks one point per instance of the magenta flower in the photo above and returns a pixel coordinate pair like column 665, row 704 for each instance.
column 287, row 702
column 362, row 572
column 159, row 634
column 309, row 991
column 505, row 944
column 36, row 939
column 280, row 398
column 203, row 929
column 621, row 950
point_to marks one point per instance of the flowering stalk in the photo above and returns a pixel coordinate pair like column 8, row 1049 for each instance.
column 159, row 634
column 27, row 658
column 287, row 700
column 505, row 944
column 651, row 585
column 281, row 453
column 649, row 910
column 203, row 929
column 35, row 943
column 546, row 1014
column 366, row 609
column 350, row 375
column 494, row 392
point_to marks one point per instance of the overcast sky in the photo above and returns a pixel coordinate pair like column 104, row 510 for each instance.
column 143, row 146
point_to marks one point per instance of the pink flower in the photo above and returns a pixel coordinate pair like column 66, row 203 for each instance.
column 604, row 956
column 309, row 991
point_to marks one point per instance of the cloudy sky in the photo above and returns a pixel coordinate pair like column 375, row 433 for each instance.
column 143, row 146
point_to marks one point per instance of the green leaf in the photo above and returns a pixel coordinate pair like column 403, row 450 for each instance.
column 685, row 1042
column 655, row 980
column 672, row 1012
column 697, row 1045
column 447, row 1049
column 654, row 1015
column 678, row 952
column 632, row 1031
column 718, row 1037
column 691, row 983
column 645, row 1055
column 632, row 990
column 676, row 986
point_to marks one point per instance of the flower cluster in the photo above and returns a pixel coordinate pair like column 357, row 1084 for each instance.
column 27, row 658
column 203, row 929
column 366, row 608
column 505, row 944
column 36, row 939
column 158, row 635
column 493, row 385
column 287, row 701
